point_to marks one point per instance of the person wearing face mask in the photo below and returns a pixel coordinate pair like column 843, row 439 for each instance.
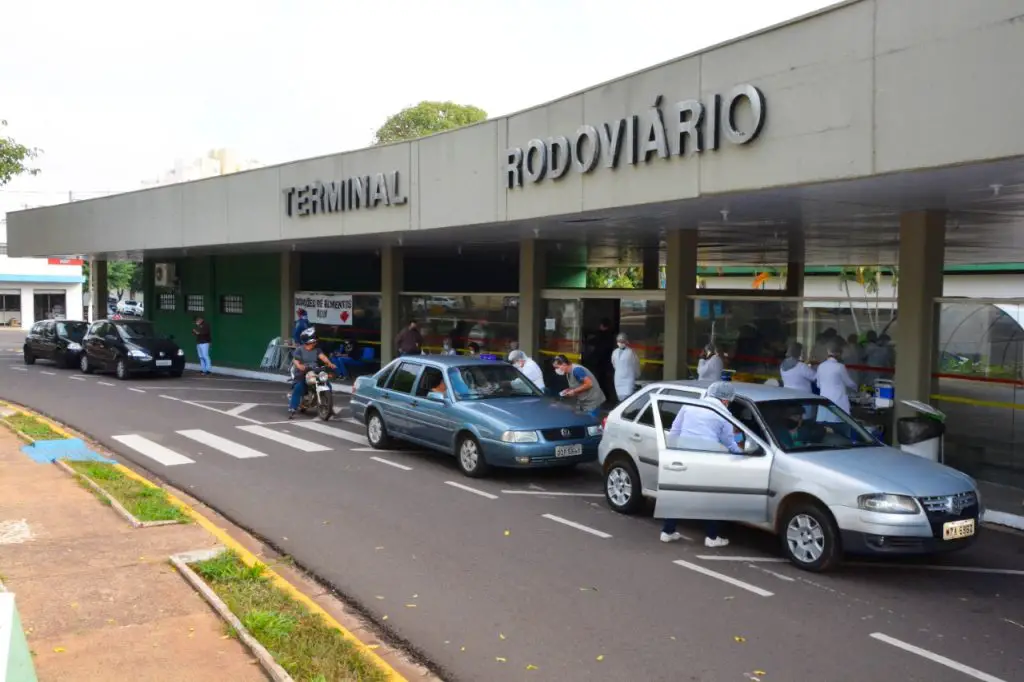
column 709, row 367
column 626, row 366
column 705, row 425
column 834, row 381
column 530, row 369
column 788, row 430
column 582, row 385
column 795, row 372
column 446, row 347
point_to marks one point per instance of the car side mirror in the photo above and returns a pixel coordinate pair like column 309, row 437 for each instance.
column 751, row 449
column 436, row 396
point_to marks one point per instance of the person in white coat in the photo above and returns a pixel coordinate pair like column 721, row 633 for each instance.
column 626, row 366
column 528, row 367
column 834, row 381
column 710, row 366
column 795, row 372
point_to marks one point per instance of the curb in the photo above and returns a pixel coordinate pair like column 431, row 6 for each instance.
column 118, row 507
column 181, row 563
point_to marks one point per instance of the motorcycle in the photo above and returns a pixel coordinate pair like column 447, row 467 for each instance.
column 318, row 394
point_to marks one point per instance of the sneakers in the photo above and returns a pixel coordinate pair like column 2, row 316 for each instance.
column 291, row 414
column 715, row 542
column 671, row 537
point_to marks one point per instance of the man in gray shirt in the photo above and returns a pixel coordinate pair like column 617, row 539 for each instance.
column 304, row 358
column 583, row 386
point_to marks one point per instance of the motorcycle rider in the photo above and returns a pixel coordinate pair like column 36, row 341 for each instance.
column 304, row 358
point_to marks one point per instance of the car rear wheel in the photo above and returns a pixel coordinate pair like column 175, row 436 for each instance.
column 83, row 364
column 810, row 539
column 376, row 432
column 470, row 457
column 29, row 358
column 122, row 370
column 622, row 487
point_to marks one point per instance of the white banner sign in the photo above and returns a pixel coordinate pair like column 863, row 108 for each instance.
column 325, row 307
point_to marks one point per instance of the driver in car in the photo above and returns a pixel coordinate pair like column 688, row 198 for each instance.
column 304, row 358
column 788, row 428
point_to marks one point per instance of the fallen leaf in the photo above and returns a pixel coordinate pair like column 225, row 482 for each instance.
column 58, row 649
column 601, row 657
column 110, row 620
column 501, row 636
column 530, row 666
column 462, row 649
column 384, row 618
column 380, row 597
column 74, row 605
column 191, row 629
column 225, row 637
column 739, row 639
column 371, row 647
column 142, row 558
column 377, row 549
column 760, row 673
column 410, row 606
column 507, row 533
column 500, row 659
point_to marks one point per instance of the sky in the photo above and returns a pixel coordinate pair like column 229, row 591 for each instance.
column 114, row 91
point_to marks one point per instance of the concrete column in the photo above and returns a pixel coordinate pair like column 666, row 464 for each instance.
column 28, row 307
column 291, row 263
column 652, row 265
column 98, row 278
column 392, row 282
column 531, row 281
column 921, row 259
column 680, row 285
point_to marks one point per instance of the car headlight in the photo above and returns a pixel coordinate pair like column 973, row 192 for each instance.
column 886, row 503
column 322, row 376
column 594, row 430
column 180, row 352
column 74, row 346
column 140, row 354
column 520, row 437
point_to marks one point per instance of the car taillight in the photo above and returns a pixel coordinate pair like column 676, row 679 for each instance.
column 604, row 423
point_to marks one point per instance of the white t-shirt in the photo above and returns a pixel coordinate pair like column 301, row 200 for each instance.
column 534, row 373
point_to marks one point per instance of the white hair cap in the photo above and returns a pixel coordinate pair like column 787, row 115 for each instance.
column 722, row 390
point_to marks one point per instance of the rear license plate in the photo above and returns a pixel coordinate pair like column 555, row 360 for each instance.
column 954, row 530
column 163, row 363
column 568, row 450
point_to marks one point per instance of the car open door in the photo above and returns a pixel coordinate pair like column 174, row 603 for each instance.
column 701, row 479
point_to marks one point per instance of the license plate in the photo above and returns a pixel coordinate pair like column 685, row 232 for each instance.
column 568, row 450
column 954, row 530
column 163, row 363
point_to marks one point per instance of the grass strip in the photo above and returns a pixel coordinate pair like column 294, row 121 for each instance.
column 300, row 641
column 31, row 427
column 142, row 501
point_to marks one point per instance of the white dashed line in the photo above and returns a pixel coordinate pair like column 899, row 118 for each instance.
column 744, row 559
column 77, row 378
column 543, row 493
column 936, row 658
column 724, row 578
column 481, row 493
column 49, row 374
column 577, row 526
column 19, row 369
column 136, row 390
column 390, row 463
column 168, row 397
column 228, row 447
column 104, row 383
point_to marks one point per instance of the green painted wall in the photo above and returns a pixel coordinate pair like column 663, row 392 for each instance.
column 239, row 340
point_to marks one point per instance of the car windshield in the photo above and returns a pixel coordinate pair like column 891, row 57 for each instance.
column 136, row 330
column 812, row 424
column 480, row 382
column 73, row 331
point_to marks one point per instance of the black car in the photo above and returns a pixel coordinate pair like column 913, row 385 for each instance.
column 57, row 340
column 129, row 347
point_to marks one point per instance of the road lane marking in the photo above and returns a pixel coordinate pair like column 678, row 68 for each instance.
column 136, row 390
column 49, row 374
column 228, row 447
column 154, row 451
column 19, row 369
column 390, row 463
column 331, row 431
column 105, row 383
column 77, row 378
column 936, row 658
column 724, row 578
column 212, row 409
column 542, row 493
column 745, row 559
column 168, row 397
column 283, row 438
column 235, row 411
column 481, row 493
column 954, row 569
column 351, row 420
column 577, row 526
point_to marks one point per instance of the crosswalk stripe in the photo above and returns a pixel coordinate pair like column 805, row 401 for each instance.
column 284, row 438
column 331, row 431
column 228, row 447
column 154, row 451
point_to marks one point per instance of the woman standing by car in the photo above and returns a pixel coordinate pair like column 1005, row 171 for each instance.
column 626, row 366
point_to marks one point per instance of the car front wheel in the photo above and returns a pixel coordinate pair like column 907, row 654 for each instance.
column 122, row 370
column 810, row 539
column 622, row 487
column 376, row 432
column 470, row 457
column 29, row 358
column 83, row 364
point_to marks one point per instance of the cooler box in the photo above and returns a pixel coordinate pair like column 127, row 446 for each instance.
column 885, row 394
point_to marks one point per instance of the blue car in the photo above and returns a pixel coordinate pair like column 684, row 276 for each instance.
column 485, row 413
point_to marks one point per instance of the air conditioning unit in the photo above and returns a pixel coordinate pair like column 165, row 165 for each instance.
column 163, row 274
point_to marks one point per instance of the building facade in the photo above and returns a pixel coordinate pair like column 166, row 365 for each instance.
column 34, row 289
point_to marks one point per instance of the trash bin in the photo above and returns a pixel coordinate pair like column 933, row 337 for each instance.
column 922, row 435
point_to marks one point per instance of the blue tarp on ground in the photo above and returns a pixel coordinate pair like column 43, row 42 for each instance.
column 74, row 449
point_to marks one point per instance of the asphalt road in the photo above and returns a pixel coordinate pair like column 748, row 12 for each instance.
column 529, row 575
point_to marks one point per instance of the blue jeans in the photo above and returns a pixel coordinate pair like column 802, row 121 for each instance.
column 710, row 528
column 204, row 357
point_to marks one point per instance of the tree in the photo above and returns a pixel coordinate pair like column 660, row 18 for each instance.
column 427, row 118
column 119, row 276
column 14, row 158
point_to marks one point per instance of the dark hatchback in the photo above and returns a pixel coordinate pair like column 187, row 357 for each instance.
column 129, row 347
column 59, row 341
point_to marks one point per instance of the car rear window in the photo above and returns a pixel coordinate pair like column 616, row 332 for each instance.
column 633, row 409
column 404, row 377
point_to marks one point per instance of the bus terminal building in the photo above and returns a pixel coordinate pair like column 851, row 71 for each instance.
column 739, row 187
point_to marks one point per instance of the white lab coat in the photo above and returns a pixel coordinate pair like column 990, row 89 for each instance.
column 800, row 377
column 627, row 371
column 834, row 382
column 533, row 372
column 710, row 369
column 703, row 425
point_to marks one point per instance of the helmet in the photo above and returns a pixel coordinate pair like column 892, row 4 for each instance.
column 308, row 335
